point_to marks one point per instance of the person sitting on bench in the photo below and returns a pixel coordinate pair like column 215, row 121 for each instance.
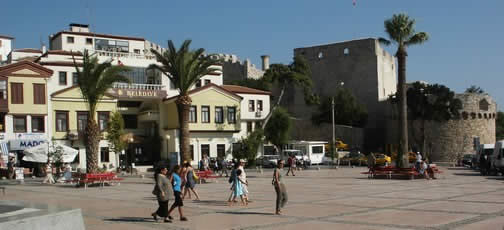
column 423, row 170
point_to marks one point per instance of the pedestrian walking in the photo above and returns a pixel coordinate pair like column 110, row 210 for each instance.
column 237, row 188
column 49, row 176
column 292, row 165
column 190, row 182
column 163, row 191
column 231, row 180
column 10, row 168
column 179, row 203
column 243, row 177
column 280, row 189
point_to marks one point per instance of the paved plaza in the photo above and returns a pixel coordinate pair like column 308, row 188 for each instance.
column 325, row 199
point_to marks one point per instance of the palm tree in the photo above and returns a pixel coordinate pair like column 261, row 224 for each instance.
column 94, row 79
column 401, row 30
column 184, row 67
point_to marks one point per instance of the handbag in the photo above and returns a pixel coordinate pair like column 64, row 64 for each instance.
column 155, row 191
column 195, row 177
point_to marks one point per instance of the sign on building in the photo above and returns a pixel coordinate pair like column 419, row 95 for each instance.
column 24, row 144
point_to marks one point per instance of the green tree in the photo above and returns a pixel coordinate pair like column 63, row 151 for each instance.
column 277, row 130
column 260, row 84
column 347, row 110
column 249, row 146
column 94, row 79
column 401, row 30
column 499, row 126
column 298, row 73
column 475, row 89
column 184, row 67
column 115, row 131
column 430, row 103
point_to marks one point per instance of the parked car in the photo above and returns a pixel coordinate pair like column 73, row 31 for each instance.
column 467, row 160
column 354, row 158
column 382, row 159
column 411, row 157
column 268, row 161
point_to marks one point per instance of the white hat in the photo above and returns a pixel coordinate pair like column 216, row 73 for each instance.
column 242, row 161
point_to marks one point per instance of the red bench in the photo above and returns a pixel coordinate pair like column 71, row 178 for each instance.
column 390, row 171
column 205, row 175
column 101, row 178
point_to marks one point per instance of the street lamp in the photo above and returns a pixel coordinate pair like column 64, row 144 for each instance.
column 333, row 129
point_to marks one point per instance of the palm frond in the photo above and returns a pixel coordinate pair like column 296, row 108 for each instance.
column 418, row 38
column 384, row 41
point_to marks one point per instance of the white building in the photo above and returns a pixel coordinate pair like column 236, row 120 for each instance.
column 5, row 47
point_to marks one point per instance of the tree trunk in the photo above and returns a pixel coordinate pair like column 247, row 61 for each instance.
column 274, row 107
column 403, row 108
column 92, row 139
column 423, row 141
column 183, row 106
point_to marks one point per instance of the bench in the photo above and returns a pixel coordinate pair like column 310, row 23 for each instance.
column 205, row 175
column 101, row 178
column 390, row 171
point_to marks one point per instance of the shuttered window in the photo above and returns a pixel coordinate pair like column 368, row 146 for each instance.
column 17, row 93
column 39, row 94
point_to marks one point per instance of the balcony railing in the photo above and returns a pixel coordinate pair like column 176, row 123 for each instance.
column 105, row 53
column 122, row 85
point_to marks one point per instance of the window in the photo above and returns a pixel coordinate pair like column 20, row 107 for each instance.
column 2, row 122
column 37, row 124
column 249, row 126
column 205, row 150
column 129, row 104
column 205, row 114
column 103, row 118
column 198, row 83
column 219, row 115
column 82, row 118
column 20, row 124
column 259, row 105
column 221, row 151
column 70, row 39
column 136, row 51
column 192, row 151
column 346, row 51
column 104, row 154
column 320, row 55
column 39, row 94
column 3, row 90
column 231, row 115
column 130, row 121
column 89, row 41
column 317, row 149
column 17, row 93
column 75, row 78
column 112, row 45
column 251, row 106
column 193, row 111
column 61, row 121
column 207, row 82
column 62, row 78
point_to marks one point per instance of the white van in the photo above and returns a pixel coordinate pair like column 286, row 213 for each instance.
column 497, row 159
column 313, row 150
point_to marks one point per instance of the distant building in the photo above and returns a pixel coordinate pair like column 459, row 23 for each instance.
column 5, row 47
column 364, row 67
column 233, row 69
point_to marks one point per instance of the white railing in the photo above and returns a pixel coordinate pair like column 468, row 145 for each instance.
column 122, row 85
column 104, row 53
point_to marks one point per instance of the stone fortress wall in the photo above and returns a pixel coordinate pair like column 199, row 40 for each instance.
column 234, row 69
column 448, row 141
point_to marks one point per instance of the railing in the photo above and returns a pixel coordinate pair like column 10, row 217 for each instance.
column 122, row 85
column 105, row 53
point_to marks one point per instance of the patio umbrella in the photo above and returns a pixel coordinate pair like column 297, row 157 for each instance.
column 39, row 153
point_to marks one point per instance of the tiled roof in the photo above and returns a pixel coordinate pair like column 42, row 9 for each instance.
column 244, row 90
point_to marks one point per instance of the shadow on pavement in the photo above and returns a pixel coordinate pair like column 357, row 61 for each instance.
column 211, row 202
column 468, row 174
column 247, row 213
column 131, row 219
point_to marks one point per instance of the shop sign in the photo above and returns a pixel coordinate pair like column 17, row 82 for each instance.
column 31, row 136
column 24, row 144
column 137, row 93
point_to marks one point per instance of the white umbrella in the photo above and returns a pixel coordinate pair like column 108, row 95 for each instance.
column 39, row 153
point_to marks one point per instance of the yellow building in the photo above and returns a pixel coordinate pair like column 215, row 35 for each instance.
column 214, row 118
column 23, row 105
column 70, row 114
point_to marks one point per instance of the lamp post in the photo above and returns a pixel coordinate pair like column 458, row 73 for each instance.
column 334, row 150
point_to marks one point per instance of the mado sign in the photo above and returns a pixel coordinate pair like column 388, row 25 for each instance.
column 24, row 144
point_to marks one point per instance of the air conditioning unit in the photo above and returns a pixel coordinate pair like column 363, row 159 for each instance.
column 258, row 113
column 73, row 135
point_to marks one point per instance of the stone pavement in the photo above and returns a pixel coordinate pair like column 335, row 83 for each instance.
column 325, row 199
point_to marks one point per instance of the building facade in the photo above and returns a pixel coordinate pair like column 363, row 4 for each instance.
column 5, row 47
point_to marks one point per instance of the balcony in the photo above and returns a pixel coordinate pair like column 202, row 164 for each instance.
column 106, row 53
column 122, row 85
column 149, row 115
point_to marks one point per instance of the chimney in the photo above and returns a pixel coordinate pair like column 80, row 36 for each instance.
column 265, row 62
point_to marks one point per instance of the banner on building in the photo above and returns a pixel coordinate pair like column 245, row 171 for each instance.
column 25, row 144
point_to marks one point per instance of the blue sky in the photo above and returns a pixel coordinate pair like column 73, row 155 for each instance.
column 466, row 46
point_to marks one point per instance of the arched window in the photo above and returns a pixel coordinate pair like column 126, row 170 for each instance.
column 320, row 55
column 483, row 105
column 346, row 52
column 465, row 115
